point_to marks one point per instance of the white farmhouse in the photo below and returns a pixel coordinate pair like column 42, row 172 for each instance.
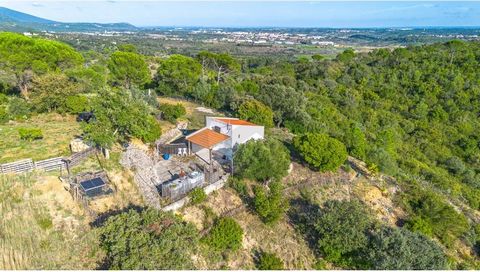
column 221, row 136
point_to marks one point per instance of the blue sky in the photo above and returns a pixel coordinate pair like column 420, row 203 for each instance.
column 256, row 13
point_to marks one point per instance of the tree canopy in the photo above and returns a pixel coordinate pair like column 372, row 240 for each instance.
column 262, row 160
column 321, row 151
column 256, row 112
column 149, row 239
column 128, row 69
column 177, row 74
column 22, row 57
column 119, row 118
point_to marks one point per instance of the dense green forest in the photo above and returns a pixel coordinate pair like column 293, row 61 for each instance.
column 410, row 113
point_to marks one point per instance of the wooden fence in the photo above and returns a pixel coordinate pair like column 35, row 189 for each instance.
column 17, row 167
column 79, row 157
column 52, row 164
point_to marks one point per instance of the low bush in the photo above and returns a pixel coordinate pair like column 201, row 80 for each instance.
column 3, row 99
column 432, row 216
column 44, row 221
column 197, row 196
column 337, row 231
column 148, row 240
column 269, row 261
column 400, row 249
column 18, row 108
column 226, row 234
column 77, row 103
column 172, row 112
column 30, row 134
column 270, row 204
column 4, row 117
column 239, row 186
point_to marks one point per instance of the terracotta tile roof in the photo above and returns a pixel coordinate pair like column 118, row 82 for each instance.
column 236, row 122
column 207, row 138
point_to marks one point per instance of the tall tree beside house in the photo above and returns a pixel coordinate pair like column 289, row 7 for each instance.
column 119, row 118
column 286, row 102
column 22, row 58
column 256, row 112
column 262, row 160
column 128, row 69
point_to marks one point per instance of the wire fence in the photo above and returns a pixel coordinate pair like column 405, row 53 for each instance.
column 52, row 164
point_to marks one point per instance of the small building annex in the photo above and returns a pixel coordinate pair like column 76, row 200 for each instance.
column 222, row 135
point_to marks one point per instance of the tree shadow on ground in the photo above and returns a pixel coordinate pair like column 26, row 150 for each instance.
column 103, row 217
column 301, row 215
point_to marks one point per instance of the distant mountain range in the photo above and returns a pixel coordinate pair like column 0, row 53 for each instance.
column 11, row 20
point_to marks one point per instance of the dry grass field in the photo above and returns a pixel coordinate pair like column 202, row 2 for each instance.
column 42, row 227
column 57, row 130
column 195, row 113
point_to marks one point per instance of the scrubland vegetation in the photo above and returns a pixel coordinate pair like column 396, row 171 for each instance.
column 410, row 113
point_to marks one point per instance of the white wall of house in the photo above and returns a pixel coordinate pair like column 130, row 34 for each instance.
column 242, row 134
column 238, row 134
column 211, row 122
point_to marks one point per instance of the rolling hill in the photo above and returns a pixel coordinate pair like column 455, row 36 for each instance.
column 11, row 20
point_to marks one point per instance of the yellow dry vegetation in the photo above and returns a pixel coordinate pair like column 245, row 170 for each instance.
column 42, row 227
column 57, row 130
column 195, row 113
column 280, row 238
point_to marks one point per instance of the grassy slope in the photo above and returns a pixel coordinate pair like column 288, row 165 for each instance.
column 42, row 227
column 58, row 131
column 195, row 117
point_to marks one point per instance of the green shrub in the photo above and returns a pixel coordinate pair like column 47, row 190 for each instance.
column 3, row 98
column 270, row 205
column 432, row 216
column 239, row 186
column 44, row 221
column 172, row 112
column 262, row 160
column 256, row 112
column 400, row 249
column 320, row 264
column 338, row 230
column 226, row 234
column 197, row 196
column 269, row 261
column 30, row 134
column 148, row 240
column 77, row 103
column 18, row 108
column 321, row 151
column 4, row 117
